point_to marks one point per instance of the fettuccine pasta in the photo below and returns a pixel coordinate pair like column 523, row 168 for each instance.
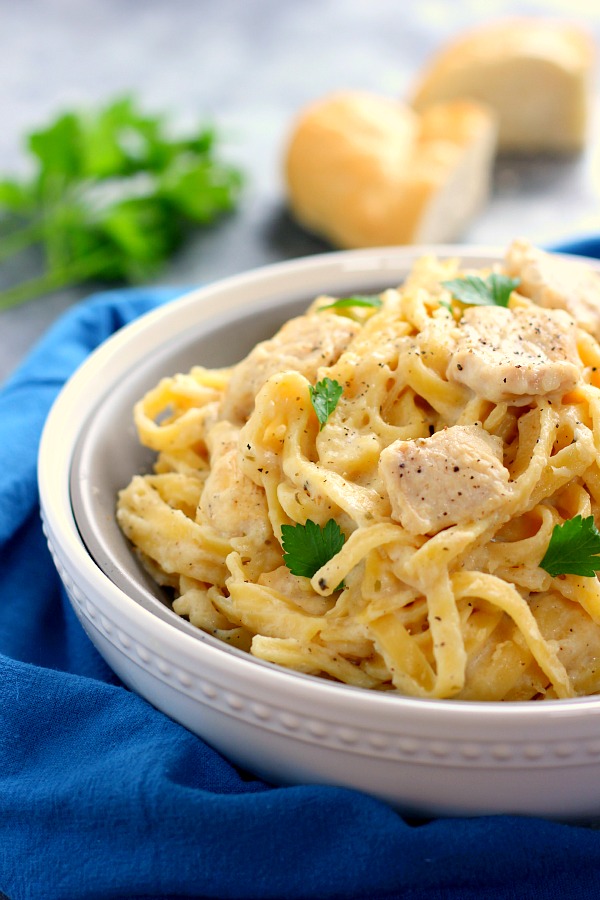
column 462, row 436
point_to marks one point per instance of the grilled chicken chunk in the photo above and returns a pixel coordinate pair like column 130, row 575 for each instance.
column 453, row 477
column 303, row 344
column 556, row 283
column 230, row 501
column 515, row 355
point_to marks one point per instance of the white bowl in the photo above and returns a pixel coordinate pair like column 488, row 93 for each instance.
column 425, row 757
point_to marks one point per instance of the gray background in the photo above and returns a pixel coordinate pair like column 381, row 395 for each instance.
column 250, row 67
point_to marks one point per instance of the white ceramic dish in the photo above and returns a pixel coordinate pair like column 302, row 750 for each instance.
column 424, row 757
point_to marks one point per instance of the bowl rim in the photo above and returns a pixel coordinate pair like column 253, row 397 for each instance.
column 59, row 519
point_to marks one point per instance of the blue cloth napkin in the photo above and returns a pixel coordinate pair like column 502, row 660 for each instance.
column 102, row 796
column 585, row 245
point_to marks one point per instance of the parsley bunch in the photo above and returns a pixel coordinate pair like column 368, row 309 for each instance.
column 112, row 195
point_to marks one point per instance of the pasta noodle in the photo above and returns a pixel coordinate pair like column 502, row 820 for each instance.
column 463, row 435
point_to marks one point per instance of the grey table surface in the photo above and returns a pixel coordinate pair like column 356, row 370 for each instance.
column 250, row 66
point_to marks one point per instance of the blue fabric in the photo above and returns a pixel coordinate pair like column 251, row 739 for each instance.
column 586, row 245
column 101, row 796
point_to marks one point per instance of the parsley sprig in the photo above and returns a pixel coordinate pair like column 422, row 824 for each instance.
column 324, row 397
column 472, row 290
column 308, row 547
column 574, row 548
column 112, row 195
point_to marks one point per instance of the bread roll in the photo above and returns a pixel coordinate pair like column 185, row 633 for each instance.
column 364, row 170
column 535, row 73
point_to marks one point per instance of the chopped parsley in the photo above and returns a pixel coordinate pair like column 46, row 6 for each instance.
column 472, row 290
column 324, row 397
column 308, row 547
column 372, row 300
column 574, row 548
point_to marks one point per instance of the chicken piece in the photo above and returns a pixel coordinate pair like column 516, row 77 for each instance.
column 515, row 355
column 230, row 501
column 303, row 344
column 554, row 282
column 453, row 477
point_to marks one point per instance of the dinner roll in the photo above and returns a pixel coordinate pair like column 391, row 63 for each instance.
column 535, row 73
column 364, row 170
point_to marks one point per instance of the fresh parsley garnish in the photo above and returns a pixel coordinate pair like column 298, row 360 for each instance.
column 472, row 290
column 112, row 194
column 308, row 547
column 324, row 397
column 371, row 300
column 574, row 548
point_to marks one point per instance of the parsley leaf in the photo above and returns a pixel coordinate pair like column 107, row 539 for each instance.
column 371, row 300
column 472, row 290
column 308, row 547
column 324, row 397
column 574, row 549
column 112, row 194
